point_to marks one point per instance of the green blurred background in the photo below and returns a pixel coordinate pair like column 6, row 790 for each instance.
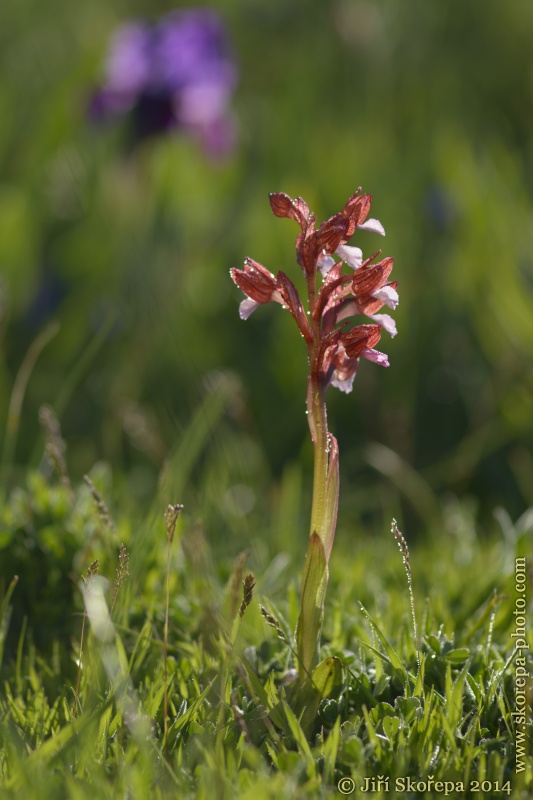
column 428, row 106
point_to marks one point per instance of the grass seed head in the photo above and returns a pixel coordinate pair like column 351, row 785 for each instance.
column 122, row 571
column 103, row 511
column 171, row 519
column 92, row 570
column 247, row 593
column 273, row 621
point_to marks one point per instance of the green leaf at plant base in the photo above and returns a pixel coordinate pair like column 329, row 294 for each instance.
column 262, row 695
column 326, row 681
column 314, row 583
column 327, row 677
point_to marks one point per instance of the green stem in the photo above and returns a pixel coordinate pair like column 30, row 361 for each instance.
column 315, row 577
column 319, row 431
column 323, row 511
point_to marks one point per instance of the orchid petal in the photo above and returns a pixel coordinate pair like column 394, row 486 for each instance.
column 348, row 310
column 373, row 225
column 374, row 355
column 345, row 386
column 387, row 295
column 353, row 256
column 247, row 307
column 386, row 322
column 325, row 263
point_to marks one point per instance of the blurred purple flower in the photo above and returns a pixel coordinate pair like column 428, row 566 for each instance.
column 178, row 73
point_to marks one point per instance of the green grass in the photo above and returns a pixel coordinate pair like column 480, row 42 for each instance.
column 232, row 730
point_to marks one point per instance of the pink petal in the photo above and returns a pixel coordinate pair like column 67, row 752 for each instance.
column 345, row 386
column 386, row 322
column 373, row 225
column 353, row 256
column 374, row 355
column 247, row 307
column 387, row 295
column 348, row 310
column 325, row 263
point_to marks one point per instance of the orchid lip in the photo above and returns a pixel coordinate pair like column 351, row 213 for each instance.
column 247, row 307
column 373, row 225
column 388, row 295
column 386, row 322
column 353, row 256
column 376, row 356
column 345, row 386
